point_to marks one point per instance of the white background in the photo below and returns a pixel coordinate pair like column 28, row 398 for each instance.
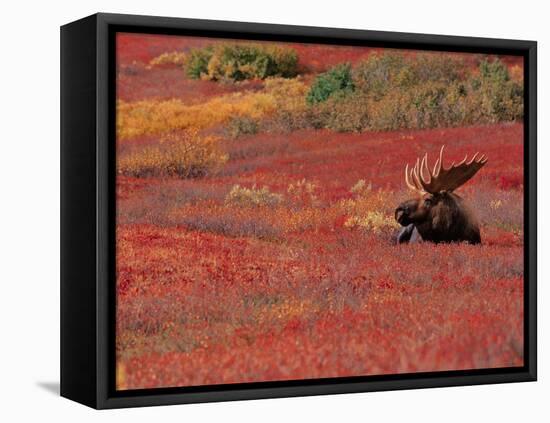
column 29, row 237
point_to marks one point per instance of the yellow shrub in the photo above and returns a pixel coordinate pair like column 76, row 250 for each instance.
column 285, row 310
column 303, row 194
column 121, row 376
column 516, row 73
column 289, row 94
column 290, row 98
column 306, row 219
column 368, row 210
column 173, row 58
column 495, row 204
column 365, row 199
column 373, row 221
column 361, row 187
column 179, row 154
column 150, row 117
column 252, row 196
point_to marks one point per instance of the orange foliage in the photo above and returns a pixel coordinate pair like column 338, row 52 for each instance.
column 301, row 279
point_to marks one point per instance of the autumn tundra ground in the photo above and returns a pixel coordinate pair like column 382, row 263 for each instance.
column 281, row 264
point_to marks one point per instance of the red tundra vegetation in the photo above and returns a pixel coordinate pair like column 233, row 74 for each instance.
column 281, row 262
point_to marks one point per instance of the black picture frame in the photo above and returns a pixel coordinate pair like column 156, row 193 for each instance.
column 88, row 210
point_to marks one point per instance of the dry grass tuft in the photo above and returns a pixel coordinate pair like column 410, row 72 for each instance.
column 176, row 58
column 185, row 155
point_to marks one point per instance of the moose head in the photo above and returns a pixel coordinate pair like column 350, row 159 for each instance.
column 437, row 214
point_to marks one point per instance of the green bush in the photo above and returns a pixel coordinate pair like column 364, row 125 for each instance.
column 501, row 98
column 427, row 104
column 336, row 81
column 242, row 125
column 196, row 63
column 238, row 62
column 435, row 67
column 342, row 114
column 379, row 73
column 426, row 90
column 494, row 71
column 390, row 112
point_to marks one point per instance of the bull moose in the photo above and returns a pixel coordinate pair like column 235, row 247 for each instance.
column 438, row 214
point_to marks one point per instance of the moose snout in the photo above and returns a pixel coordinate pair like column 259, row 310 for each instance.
column 402, row 215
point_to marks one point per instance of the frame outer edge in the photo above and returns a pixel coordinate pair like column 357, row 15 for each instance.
column 78, row 214
column 532, row 201
column 103, row 197
column 163, row 22
column 104, row 251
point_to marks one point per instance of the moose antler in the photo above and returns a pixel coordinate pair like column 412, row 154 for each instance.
column 441, row 179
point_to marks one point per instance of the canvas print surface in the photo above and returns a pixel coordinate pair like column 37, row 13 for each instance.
column 299, row 211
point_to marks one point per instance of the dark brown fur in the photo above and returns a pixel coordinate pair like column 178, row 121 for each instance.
column 442, row 217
